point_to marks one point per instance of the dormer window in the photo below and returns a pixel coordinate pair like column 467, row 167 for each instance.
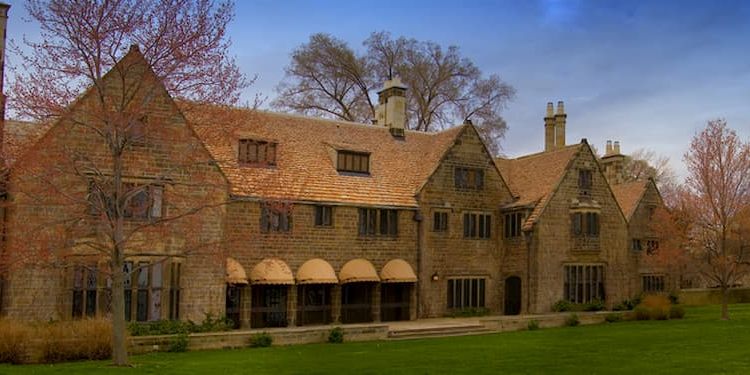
column 254, row 152
column 352, row 161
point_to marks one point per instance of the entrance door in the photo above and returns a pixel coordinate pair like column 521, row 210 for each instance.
column 513, row 295
column 234, row 303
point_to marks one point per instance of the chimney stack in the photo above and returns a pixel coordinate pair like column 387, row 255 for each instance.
column 391, row 110
column 549, row 128
column 613, row 162
column 3, row 27
column 560, row 117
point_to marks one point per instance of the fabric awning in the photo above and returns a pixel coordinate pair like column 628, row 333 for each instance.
column 316, row 271
column 358, row 270
column 271, row 271
column 235, row 273
column 397, row 271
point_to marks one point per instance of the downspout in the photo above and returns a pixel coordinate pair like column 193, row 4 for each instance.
column 420, row 222
column 528, row 237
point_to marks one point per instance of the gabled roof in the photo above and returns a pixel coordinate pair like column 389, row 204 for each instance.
column 629, row 194
column 306, row 149
column 534, row 178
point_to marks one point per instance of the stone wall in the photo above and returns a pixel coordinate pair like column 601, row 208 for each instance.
column 555, row 246
column 448, row 254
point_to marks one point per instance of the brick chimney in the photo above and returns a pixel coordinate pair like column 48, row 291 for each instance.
column 391, row 110
column 3, row 26
column 549, row 128
column 560, row 118
column 613, row 162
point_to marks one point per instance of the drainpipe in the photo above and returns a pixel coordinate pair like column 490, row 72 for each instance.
column 528, row 237
column 420, row 222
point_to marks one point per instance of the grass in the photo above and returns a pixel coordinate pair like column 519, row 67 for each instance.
column 698, row 344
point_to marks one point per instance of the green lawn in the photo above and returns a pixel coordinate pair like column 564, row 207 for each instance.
column 698, row 344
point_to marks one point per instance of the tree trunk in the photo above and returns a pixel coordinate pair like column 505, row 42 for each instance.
column 119, row 346
column 724, row 302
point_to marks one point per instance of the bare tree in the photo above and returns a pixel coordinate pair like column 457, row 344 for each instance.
column 718, row 196
column 121, row 145
column 327, row 77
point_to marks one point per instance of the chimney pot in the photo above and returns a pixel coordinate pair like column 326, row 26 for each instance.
column 560, row 108
column 617, row 147
column 608, row 150
column 550, row 110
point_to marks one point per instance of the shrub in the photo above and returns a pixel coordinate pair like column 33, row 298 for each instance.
column 572, row 320
column 658, row 306
column 641, row 313
column 469, row 312
column 613, row 318
column 75, row 340
column 533, row 325
column 595, row 305
column 674, row 297
column 562, row 306
column 171, row 327
column 178, row 343
column 336, row 336
column 13, row 341
column 261, row 340
column 676, row 312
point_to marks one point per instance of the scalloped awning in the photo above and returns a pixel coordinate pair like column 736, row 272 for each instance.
column 397, row 271
column 358, row 270
column 316, row 271
column 235, row 273
column 271, row 271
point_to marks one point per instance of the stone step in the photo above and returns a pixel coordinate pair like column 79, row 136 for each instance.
column 439, row 331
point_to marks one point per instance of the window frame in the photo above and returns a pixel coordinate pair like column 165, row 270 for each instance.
column 585, row 179
column 653, row 283
column 583, row 283
column 466, row 292
column 477, row 225
column 440, row 221
column 362, row 159
column 468, row 178
column 381, row 222
column 585, row 224
column 275, row 219
column 512, row 224
column 323, row 216
column 268, row 149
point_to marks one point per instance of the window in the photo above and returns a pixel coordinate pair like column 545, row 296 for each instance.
column 84, row 291
column 350, row 161
column 585, row 179
column 466, row 293
column 469, row 178
column 174, row 290
column 367, row 220
column 585, row 224
column 388, row 222
column 146, row 203
column 143, row 285
column 323, row 216
column 477, row 225
column 636, row 244
column 275, row 218
column 584, row 283
column 253, row 152
column 653, row 283
column 440, row 221
column 652, row 246
column 378, row 221
column 513, row 222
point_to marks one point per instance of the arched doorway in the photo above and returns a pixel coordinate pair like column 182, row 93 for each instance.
column 513, row 295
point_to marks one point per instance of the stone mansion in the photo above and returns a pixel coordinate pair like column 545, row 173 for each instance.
column 321, row 221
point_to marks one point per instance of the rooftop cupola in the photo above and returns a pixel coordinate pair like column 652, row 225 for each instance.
column 391, row 110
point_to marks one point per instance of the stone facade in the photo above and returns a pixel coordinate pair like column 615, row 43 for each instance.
column 453, row 206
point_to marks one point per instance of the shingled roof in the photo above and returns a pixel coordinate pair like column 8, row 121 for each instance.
column 305, row 167
column 533, row 178
column 628, row 195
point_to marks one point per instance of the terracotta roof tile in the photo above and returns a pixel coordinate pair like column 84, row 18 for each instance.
column 305, row 167
column 628, row 195
column 533, row 178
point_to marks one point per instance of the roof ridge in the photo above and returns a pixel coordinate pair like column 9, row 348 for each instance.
column 542, row 153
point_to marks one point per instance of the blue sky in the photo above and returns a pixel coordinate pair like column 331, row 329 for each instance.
column 647, row 73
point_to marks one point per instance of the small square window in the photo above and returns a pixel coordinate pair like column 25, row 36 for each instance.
column 440, row 221
column 323, row 216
